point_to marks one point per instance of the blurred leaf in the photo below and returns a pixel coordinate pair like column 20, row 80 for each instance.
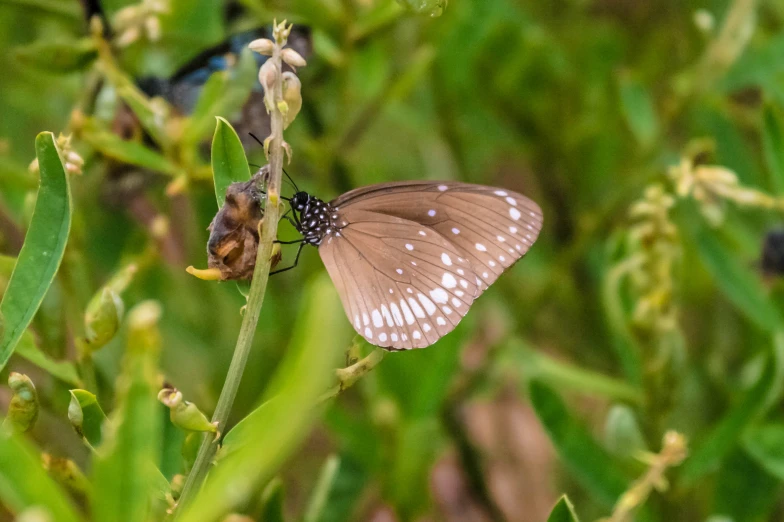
column 773, row 146
column 765, row 444
column 56, row 7
column 623, row 342
column 256, row 447
column 622, row 433
column 272, row 508
column 744, row 491
column 24, row 483
column 741, row 285
column 63, row 370
column 224, row 94
column 57, row 56
column 229, row 163
column 152, row 117
column 548, row 370
column 123, row 471
column 638, row 110
column 588, row 461
column 131, row 152
column 87, row 417
column 318, row 499
column 563, row 511
column 723, row 437
column 43, row 248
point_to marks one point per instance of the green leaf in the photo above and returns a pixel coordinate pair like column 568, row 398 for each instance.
column 224, row 94
column 744, row 491
column 765, row 444
column 229, row 163
column 708, row 454
column 150, row 117
column 63, row 370
column 563, row 511
column 740, row 284
column 638, row 110
column 255, row 448
column 58, row 57
column 622, row 433
column 773, row 146
column 87, row 417
column 588, row 462
column 43, row 248
column 24, row 483
column 272, row 502
column 124, row 471
column 318, row 499
column 132, row 152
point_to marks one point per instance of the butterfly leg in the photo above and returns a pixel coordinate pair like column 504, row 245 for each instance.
column 296, row 260
column 300, row 242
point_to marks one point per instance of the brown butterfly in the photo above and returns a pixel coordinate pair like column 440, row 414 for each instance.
column 409, row 258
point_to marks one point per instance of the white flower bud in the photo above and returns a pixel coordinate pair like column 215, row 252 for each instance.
column 262, row 46
column 292, row 57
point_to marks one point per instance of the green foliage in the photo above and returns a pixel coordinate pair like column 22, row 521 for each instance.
column 641, row 309
column 43, row 250
column 563, row 511
column 229, row 164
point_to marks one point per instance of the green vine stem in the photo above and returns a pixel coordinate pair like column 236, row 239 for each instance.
column 260, row 276
column 348, row 376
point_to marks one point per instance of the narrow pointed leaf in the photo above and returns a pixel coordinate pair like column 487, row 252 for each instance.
column 229, row 163
column 63, row 370
column 43, row 248
column 590, row 464
column 709, row 452
column 563, row 511
column 24, row 483
column 765, row 444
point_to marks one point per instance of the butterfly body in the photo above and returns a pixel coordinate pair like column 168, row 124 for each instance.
column 409, row 258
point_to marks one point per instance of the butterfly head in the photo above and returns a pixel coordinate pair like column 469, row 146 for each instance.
column 300, row 200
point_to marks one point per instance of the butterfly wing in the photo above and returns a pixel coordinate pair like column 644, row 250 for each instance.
column 402, row 285
column 492, row 227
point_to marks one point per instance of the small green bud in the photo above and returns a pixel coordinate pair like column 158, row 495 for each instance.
column 102, row 319
column 23, row 409
column 184, row 414
column 66, row 472
column 86, row 417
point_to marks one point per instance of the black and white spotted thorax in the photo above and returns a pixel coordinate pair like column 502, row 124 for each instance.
column 317, row 219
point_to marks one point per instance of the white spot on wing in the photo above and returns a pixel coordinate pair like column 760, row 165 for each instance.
column 368, row 333
column 442, row 188
column 464, row 283
column 396, row 314
column 481, row 247
column 513, row 230
column 431, row 213
column 416, row 334
column 382, row 337
column 500, row 238
column 386, row 314
column 378, row 322
column 511, row 201
column 422, row 233
column 430, row 308
column 446, row 259
column 399, row 271
column 409, row 246
column 447, row 310
column 500, row 193
column 441, row 321
column 393, row 337
column 456, row 302
column 514, row 213
column 448, row 280
column 439, row 295
column 426, row 327
column 407, row 312
column 365, row 319
column 416, row 308
column 455, row 230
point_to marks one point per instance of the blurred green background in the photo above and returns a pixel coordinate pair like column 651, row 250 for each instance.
column 650, row 133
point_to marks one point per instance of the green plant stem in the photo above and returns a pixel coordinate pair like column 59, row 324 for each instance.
column 255, row 299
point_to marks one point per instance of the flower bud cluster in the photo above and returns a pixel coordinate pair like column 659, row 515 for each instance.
column 143, row 19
